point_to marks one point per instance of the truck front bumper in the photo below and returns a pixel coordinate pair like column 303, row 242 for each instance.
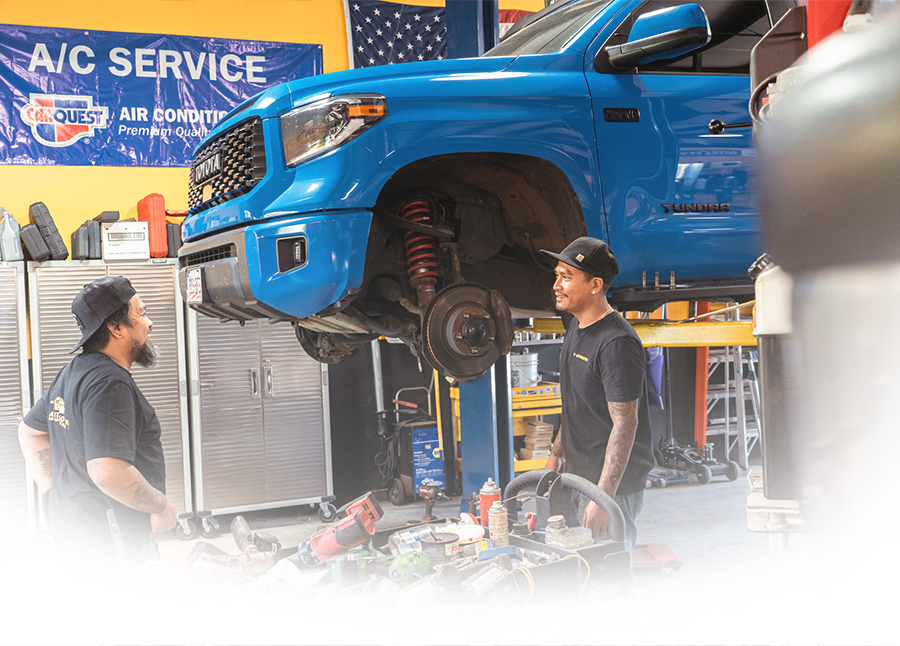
column 289, row 267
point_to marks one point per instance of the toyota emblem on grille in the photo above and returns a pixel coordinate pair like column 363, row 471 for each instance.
column 208, row 168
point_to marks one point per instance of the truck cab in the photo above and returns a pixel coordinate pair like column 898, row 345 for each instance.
column 412, row 201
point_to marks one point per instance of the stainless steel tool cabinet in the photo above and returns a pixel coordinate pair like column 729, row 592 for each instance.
column 17, row 491
column 260, row 430
column 53, row 285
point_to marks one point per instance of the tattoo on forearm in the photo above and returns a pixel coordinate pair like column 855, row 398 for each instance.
column 45, row 458
column 149, row 500
column 621, row 440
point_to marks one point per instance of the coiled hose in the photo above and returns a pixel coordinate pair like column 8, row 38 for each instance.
column 570, row 480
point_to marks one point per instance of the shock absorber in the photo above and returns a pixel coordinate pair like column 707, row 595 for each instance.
column 421, row 260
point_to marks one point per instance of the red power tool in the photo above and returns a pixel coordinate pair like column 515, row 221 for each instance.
column 431, row 495
column 355, row 525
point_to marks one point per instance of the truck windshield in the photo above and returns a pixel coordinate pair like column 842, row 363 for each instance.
column 550, row 32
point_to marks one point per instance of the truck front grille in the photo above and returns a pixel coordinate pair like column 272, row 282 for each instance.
column 208, row 255
column 228, row 167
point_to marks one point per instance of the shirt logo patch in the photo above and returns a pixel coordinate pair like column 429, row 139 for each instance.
column 578, row 356
column 58, row 414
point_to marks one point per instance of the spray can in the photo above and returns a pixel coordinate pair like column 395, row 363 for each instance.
column 498, row 524
column 10, row 241
column 489, row 494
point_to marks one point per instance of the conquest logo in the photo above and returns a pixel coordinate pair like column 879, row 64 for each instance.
column 208, row 168
column 60, row 120
column 697, row 208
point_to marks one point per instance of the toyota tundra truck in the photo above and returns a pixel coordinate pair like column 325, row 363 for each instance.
column 412, row 201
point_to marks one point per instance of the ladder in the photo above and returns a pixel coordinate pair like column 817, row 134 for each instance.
column 727, row 397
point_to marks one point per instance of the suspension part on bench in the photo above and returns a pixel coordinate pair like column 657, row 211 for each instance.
column 420, row 249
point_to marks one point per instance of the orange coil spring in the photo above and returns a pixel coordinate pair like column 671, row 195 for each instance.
column 420, row 256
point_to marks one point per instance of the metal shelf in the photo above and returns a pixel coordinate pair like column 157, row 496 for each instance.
column 518, row 344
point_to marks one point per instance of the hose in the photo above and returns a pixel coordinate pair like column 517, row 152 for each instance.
column 756, row 113
column 570, row 480
column 517, row 484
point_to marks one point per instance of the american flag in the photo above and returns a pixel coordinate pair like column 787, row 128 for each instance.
column 508, row 18
column 384, row 33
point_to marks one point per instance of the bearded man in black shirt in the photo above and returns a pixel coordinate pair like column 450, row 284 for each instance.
column 92, row 441
column 604, row 433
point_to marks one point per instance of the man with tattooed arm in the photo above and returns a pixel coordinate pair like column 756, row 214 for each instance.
column 604, row 433
column 92, row 441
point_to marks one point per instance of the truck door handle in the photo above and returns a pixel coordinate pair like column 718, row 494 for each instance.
column 270, row 385
column 254, row 382
column 717, row 126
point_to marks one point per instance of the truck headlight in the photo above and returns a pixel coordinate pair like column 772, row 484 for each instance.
column 314, row 129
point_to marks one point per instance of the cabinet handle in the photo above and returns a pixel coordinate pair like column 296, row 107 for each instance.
column 270, row 385
column 254, row 382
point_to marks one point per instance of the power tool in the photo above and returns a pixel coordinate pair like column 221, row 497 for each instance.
column 431, row 494
column 355, row 525
column 252, row 560
column 358, row 566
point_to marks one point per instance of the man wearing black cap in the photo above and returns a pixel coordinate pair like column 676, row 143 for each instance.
column 604, row 434
column 92, row 441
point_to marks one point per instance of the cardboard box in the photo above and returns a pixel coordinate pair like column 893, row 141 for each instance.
column 532, row 443
column 539, row 431
column 126, row 241
column 520, row 424
column 536, row 428
column 529, row 454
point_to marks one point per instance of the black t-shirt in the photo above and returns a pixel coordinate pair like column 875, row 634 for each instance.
column 93, row 409
column 604, row 362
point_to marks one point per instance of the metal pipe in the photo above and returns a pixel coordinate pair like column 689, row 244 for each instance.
column 378, row 375
column 730, row 308
column 370, row 325
column 335, row 324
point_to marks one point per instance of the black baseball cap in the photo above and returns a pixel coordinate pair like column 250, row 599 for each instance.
column 591, row 255
column 98, row 301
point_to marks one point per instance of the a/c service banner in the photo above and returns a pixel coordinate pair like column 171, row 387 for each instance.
column 78, row 98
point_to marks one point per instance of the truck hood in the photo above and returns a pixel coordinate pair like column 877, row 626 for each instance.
column 286, row 96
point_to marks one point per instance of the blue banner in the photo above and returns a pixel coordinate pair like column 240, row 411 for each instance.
column 99, row 98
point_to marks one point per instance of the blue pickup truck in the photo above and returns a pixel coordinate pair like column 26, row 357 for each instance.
column 412, row 200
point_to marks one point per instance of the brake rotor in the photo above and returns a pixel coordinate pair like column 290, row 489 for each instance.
column 465, row 330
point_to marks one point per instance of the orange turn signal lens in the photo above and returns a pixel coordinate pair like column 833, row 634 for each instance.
column 355, row 111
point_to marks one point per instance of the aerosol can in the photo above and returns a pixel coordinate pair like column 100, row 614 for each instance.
column 498, row 524
column 489, row 494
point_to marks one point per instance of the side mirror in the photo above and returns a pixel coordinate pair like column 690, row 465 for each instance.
column 662, row 34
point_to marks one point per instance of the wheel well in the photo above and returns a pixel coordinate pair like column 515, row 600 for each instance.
column 507, row 207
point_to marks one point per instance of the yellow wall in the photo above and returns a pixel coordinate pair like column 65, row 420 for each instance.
column 76, row 193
